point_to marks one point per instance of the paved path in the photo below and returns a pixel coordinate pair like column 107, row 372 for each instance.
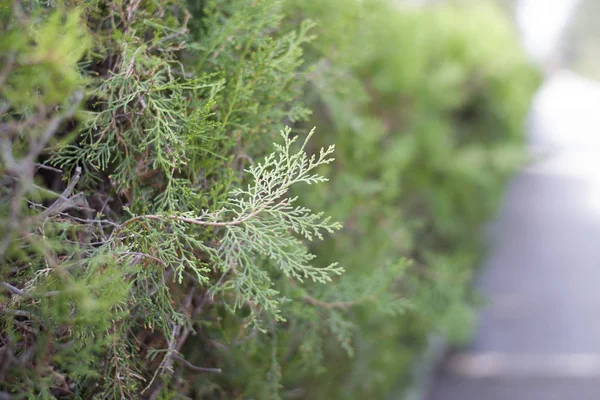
column 539, row 338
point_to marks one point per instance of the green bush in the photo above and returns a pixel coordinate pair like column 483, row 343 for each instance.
column 426, row 107
column 141, row 232
column 155, row 244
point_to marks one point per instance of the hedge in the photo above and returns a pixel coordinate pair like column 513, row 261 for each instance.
column 168, row 230
column 426, row 107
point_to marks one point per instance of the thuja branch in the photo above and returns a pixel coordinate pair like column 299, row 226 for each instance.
column 260, row 224
column 272, row 180
column 195, row 221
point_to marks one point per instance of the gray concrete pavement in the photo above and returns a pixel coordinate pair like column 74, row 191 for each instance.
column 543, row 277
column 516, row 389
column 539, row 338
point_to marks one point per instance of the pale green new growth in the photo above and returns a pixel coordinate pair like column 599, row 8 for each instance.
column 258, row 224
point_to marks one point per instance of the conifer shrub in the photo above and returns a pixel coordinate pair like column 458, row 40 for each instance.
column 427, row 108
column 146, row 229
column 159, row 220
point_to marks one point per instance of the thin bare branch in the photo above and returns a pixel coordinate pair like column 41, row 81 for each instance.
column 16, row 291
column 194, row 367
column 59, row 204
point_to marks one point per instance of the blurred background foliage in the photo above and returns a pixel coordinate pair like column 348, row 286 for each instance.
column 426, row 106
column 103, row 101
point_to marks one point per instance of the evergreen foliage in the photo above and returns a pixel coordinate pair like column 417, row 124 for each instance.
column 125, row 141
column 155, row 243
column 427, row 114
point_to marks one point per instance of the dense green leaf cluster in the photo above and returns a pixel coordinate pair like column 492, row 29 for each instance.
column 155, row 243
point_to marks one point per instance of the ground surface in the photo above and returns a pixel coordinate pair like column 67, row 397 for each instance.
column 539, row 338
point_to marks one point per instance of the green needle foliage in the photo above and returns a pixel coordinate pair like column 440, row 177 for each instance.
column 159, row 239
column 133, row 213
